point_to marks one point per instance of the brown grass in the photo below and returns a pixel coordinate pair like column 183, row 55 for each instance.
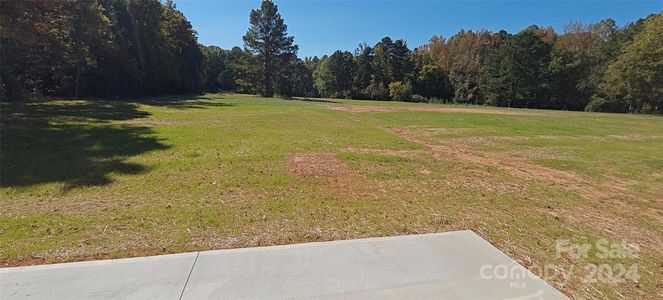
column 606, row 196
column 375, row 108
column 318, row 165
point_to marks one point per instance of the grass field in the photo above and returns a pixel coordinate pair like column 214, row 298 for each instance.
column 97, row 179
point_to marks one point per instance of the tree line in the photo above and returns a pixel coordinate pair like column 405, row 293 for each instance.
column 102, row 48
column 119, row 48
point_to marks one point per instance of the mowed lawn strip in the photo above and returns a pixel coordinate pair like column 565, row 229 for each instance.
column 105, row 179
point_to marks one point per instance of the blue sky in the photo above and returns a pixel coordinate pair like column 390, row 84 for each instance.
column 321, row 27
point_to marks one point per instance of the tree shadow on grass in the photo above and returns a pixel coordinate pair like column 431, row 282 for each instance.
column 70, row 142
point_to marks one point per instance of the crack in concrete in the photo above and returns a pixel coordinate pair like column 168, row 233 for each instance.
column 190, row 272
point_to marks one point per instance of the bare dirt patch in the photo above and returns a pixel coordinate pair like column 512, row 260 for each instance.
column 317, row 165
column 334, row 175
column 425, row 172
column 607, row 193
column 401, row 153
column 483, row 139
column 516, row 167
column 371, row 108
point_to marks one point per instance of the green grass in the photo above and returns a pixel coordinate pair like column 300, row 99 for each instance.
column 94, row 179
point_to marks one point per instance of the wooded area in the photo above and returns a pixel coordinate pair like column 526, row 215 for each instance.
column 127, row 48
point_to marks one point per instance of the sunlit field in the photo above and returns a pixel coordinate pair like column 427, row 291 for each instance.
column 96, row 179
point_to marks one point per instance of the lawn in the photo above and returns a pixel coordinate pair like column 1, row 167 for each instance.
column 106, row 179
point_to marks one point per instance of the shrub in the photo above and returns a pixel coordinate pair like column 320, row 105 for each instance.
column 601, row 104
column 418, row 98
column 400, row 91
column 377, row 91
column 436, row 100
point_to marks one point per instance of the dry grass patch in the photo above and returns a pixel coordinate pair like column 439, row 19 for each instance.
column 472, row 110
column 317, row 165
column 606, row 212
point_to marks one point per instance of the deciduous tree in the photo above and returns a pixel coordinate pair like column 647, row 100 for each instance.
column 637, row 74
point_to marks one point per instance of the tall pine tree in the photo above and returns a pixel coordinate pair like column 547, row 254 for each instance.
column 267, row 38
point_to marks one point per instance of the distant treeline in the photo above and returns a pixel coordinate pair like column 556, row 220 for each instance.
column 596, row 67
column 120, row 48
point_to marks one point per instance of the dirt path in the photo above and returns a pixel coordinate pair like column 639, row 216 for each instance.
column 385, row 108
column 605, row 197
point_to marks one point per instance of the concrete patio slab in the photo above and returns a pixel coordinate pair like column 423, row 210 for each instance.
column 452, row 265
column 429, row 266
column 153, row 277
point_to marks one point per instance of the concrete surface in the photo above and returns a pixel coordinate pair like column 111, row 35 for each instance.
column 449, row 265
column 153, row 277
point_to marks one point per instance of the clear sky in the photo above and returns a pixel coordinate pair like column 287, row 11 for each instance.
column 321, row 27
